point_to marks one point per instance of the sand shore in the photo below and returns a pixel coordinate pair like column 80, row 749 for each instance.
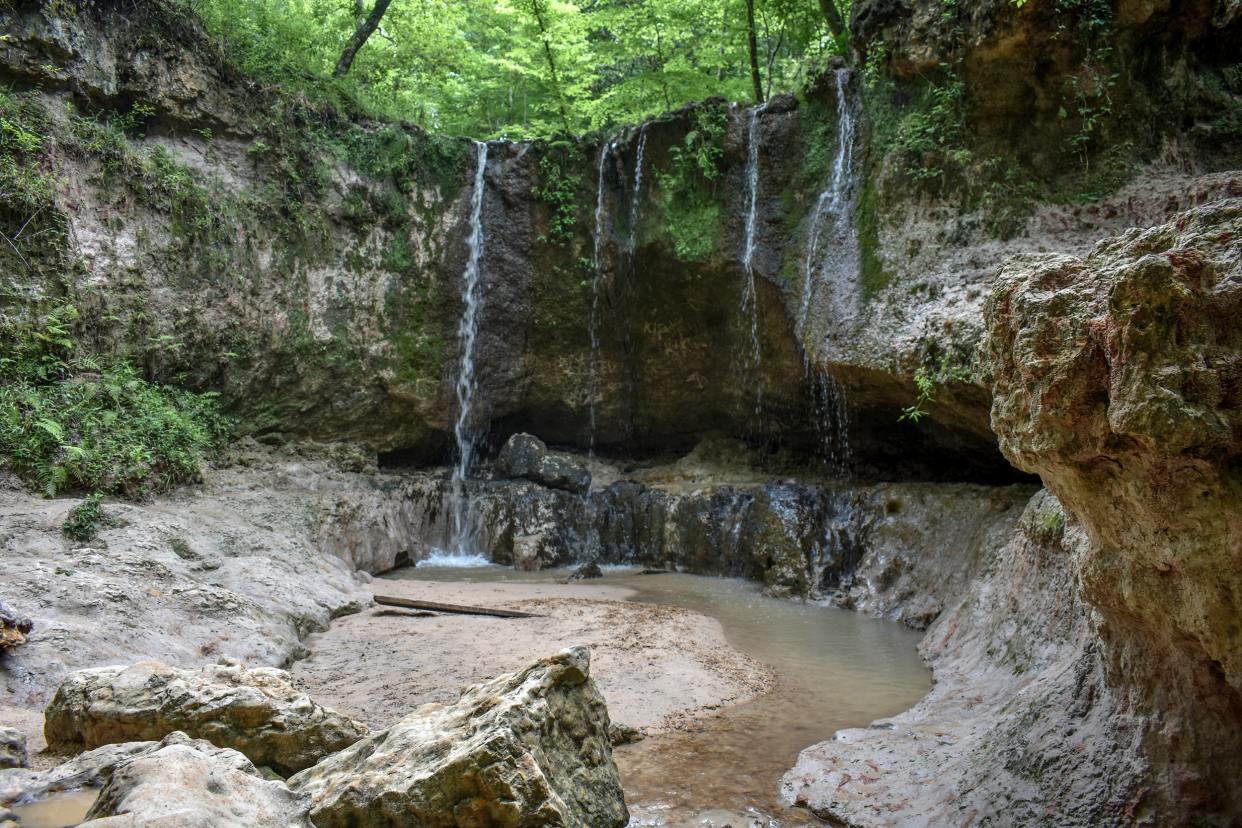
column 657, row 666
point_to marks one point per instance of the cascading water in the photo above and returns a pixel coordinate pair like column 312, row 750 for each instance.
column 467, row 334
column 596, row 286
column 751, row 368
column 833, row 266
column 638, row 184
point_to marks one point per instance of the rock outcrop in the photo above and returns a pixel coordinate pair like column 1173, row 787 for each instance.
column 1020, row 729
column 527, row 749
column 527, row 456
column 246, row 565
column 256, row 712
column 1118, row 379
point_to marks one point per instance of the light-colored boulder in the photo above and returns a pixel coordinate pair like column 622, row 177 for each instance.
column 191, row 784
column 526, row 749
column 12, row 748
column 257, row 712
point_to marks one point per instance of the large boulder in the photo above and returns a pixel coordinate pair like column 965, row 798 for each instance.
column 1118, row 379
column 526, row 456
column 257, row 712
column 526, row 749
column 177, row 782
column 191, row 784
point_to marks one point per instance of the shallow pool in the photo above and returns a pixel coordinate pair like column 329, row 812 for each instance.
column 835, row 669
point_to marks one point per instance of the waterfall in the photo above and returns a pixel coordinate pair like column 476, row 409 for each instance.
column 833, row 266
column 750, row 362
column 638, row 184
column 467, row 333
column 595, row 291
column 836, row 203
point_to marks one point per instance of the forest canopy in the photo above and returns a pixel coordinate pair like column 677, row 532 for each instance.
column 526, row 68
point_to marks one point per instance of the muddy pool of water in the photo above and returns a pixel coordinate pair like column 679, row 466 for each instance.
column 835, row 669
column 60, row 810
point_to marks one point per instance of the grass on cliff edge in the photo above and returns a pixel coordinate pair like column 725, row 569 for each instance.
column 69, row 420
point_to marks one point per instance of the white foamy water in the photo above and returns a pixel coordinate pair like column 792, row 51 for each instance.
column 453, row 559
column 467, row 333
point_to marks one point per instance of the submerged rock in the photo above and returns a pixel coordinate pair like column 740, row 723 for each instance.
column 12, row 748
column 527, row 749
column 257, row 712
column 526, row 456
column 587, row 570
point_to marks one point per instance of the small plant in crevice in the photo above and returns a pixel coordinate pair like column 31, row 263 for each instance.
column 926, row 386
column 938, row 369
column 86, row 519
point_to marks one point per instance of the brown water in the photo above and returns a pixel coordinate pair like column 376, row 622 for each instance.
column 835, row 669
column 60, row 810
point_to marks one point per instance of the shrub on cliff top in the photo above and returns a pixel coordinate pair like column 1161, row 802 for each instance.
column 70, row 420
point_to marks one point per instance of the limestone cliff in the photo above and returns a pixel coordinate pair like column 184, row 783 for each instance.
column 1117, row 379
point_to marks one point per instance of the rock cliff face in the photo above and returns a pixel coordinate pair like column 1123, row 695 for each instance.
column 1117, row 379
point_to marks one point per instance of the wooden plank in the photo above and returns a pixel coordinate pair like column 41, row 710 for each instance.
column 435, row 606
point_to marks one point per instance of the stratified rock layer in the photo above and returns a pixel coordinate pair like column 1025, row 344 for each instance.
column 527, row 749
column 1118, row 379
column 257, row 712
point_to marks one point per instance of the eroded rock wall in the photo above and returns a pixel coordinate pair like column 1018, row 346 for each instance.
column 1117, row 378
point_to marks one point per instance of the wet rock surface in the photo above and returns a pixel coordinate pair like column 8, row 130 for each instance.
column 1117, row 379
column 256, row 712
column 1021, row 727
column 525, row 749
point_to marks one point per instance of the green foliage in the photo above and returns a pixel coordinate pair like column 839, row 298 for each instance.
column 938, row 369
column 1089, row 90
column 72, row 420
column 1053, row 519
column 86, row 519
column 27, row 186
column 688, row 188
column 559, row 192
column 518, row 68
column 927, row 386
column 931, row 133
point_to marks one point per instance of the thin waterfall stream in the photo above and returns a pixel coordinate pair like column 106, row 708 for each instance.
column 751, row 365
column 466, row 386
column 832, row 261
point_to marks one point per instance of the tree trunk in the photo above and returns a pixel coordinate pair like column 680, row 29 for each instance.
column 364, row 31
column 754, row 51
column 831, row 14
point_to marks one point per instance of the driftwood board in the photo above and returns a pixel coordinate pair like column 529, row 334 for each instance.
column 435, row 606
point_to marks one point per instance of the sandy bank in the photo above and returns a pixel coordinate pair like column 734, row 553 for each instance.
column 657, row 666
